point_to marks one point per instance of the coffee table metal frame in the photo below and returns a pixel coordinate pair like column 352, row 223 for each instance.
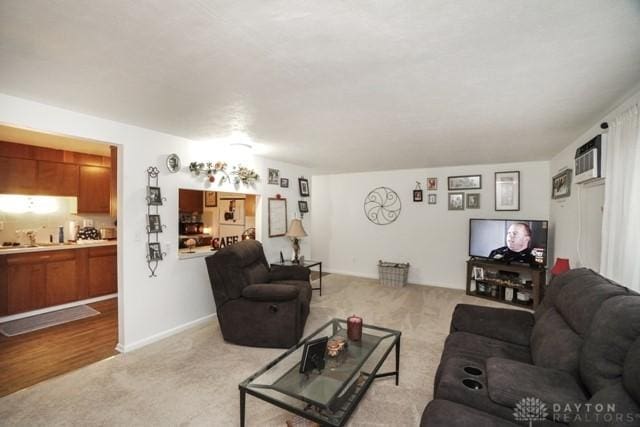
column 245, row 389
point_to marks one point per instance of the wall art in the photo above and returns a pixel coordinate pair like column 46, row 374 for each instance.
column 382, row 206
column 456, row 201
column 507, row 191
column 465, row 182
column 561, row 185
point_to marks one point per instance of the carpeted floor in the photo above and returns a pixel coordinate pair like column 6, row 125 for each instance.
column 192, row 378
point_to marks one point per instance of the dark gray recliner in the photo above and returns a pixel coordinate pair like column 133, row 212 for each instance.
column 255, row 305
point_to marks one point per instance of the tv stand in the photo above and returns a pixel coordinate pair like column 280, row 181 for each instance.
column 496, row 286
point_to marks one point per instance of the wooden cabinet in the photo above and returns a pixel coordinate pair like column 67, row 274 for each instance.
column 503, row 282
column 61, row 282
column 57, row 179
column 102, row 271
column 17, row 176
column 26, row 287
column 190, row 201
column 94, row 189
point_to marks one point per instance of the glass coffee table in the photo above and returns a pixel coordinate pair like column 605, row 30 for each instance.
column 330, row 396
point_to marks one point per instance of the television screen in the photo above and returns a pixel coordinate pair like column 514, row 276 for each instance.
column 510, row 240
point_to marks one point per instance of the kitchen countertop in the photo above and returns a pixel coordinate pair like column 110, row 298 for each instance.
column 55, row 247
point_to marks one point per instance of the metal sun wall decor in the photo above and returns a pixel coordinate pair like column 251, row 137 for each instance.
column 382, row 206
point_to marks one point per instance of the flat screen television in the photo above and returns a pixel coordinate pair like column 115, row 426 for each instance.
column 509, row 240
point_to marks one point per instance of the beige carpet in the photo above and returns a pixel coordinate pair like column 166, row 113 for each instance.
column 191, row 379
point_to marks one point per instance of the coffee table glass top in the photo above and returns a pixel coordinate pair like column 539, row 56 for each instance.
column 330, row 395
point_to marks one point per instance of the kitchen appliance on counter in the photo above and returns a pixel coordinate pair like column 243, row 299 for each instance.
column 191, row 225
column 201, row 240
column 108, row 233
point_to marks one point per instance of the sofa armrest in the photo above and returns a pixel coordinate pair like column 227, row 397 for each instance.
column 289, row 272
column 508, row 382
column 508, row 325
column 270, row 292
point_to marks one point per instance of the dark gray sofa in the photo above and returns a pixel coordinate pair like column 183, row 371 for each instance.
column 579, row 354
column 255, row 305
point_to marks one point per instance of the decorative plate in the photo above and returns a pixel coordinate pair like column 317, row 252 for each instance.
column 173, row 163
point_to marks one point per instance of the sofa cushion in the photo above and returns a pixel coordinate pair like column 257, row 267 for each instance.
column 554, row 344
column 479, row 348
column 450, row 414
column 508, row 325
column 270, row 292
column 556, row 285
column 509, row 382
column 610, row 406
column 256, row 272
column 631, row 373
column 615, row 327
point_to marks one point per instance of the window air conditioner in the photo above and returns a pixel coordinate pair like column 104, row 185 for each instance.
column 590, row 159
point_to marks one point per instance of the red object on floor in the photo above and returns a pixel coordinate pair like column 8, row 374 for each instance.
column 561, row 265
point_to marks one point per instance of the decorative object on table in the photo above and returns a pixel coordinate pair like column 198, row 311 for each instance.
column 274, row 176
column 303, row 206
column 296, row 232
column 561, row 185
column 231, row 212
column 354, row 328
column 473, row 200
column 432, row 184
column 417, row 193
column 277, row 217
column 393, row 274
column 190, row 244
column 335, row 345
column 382, row 206
column 561, row 266
column 432, row 199
column 210, row 199
column 154, row 196
column 465, row 182
column 284, row 182
column 155, row 253
column 456, row 201
column 173, row 163
column 303, row 185
column 88, row 233
column 153, row 223
column 508, row 191
column 313, row 355
column 154, row 226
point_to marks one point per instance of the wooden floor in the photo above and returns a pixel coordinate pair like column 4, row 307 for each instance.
column 30, row 358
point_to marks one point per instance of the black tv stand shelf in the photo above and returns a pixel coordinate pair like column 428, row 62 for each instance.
column 503, row 282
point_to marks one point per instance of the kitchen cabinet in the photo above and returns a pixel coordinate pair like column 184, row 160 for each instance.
column 57, row 179
column 26, row 287
column 17, row 176
column 103, row 274
column 94, row 189
column 190, row 201
column 61, row 282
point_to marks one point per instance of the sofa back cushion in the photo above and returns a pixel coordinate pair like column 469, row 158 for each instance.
column 554, row 344
column 556, row 285
column 615, row 328
column 631, row 372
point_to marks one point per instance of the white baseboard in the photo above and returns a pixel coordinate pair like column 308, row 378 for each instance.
column 375, row 277
column 55, row 308
column 164, row 334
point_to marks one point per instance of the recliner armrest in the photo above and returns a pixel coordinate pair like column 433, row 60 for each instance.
column 270, row 292
column 289, row 272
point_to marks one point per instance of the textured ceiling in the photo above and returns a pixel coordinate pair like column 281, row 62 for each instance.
column 335, row 85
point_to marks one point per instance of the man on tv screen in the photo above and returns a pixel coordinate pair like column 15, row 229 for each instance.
column 518, row 240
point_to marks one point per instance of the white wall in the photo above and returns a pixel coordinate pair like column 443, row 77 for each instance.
column 150, row 308
column 576, row 221
column 433, row 239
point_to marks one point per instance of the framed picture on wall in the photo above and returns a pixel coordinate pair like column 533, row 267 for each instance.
column 465, row 182
column 284, row 182
column 417, row 195
column 303, row 184
column 154, row 197
column 432, row 184
column 277, row 216
column 274, row 176
column 231, row 212
column 210, row 199
column 473, row 200
column 456, row 201
column 432, row 199
column 508, row 191
column 153, row 224
column 303, row 206
column 561, row 185
column 154, row 251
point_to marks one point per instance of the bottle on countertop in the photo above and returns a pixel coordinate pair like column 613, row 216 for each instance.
column 61, row 234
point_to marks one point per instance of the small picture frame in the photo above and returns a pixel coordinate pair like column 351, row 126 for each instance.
column 153, row 223
column 465, row 182
column 432, row 184
column 561, row 185
column 210, row 199
column 303, row 184
column 432, row 199
column 313, row 355
column 284, row 182
column 417, row 196
column 507, row 191
column 456, row 201
column 274, row 176
column 173, row 163
column 155, row 252
column 154, row 196
column 303, row 206
column 473, row 200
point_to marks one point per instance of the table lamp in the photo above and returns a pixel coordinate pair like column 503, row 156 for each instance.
column 561, row 265
column 296, row 231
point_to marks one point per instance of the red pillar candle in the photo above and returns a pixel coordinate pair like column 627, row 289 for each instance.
column 354, row 328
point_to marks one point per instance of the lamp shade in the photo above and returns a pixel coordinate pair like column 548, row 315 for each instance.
column 561, row 265
column 295, row 229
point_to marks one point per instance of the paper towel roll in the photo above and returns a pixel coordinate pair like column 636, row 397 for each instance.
column 72, row 228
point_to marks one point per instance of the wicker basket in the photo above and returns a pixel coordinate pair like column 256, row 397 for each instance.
column 393, row 274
